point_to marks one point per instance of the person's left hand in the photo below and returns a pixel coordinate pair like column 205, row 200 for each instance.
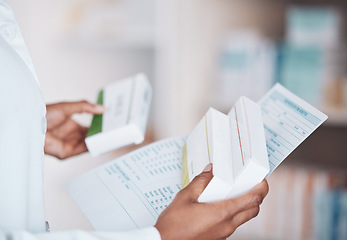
column 64, row 136
column 188, row 219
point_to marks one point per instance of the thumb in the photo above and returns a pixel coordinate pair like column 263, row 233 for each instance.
column 199, row 183
column 70, row 108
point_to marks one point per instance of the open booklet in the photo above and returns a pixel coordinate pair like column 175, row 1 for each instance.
column 131, row 191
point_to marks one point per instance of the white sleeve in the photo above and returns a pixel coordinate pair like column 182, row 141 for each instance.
column 141, row 234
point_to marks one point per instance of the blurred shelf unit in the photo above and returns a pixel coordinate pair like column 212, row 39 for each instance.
column 209, row 53
column 310, row 60
column 111, row 24
column 303, row 204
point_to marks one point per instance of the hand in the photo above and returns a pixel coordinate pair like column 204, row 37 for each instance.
column 186, row 218
column 65, row 137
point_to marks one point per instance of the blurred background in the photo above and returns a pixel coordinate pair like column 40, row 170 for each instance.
column 199, row 54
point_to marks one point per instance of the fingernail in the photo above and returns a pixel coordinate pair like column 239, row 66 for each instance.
column 207, row 168
column 99, row 108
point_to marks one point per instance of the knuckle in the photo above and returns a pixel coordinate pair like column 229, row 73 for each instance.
column 85, row 105
column 196, row 181
column 229, row 209
column 255, row 212
column 202, row 178
column 257, row 200
column 61, row 156
column 67, row 151
column 180, row 194
column 264, row 187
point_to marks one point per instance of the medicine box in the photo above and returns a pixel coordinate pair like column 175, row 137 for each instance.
column 127, row 104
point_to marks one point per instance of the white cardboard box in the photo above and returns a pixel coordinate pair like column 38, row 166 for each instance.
column 235, row 144
column 127, row 104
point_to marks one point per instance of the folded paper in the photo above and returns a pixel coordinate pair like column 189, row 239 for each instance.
column 235, row 144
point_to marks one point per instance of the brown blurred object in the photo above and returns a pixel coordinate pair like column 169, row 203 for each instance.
column 334, row 94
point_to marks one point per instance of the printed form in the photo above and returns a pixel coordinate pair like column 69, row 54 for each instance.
column 288, row 121
column 130, row 192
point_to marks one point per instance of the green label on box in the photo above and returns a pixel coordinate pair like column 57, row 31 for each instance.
column 96, row 126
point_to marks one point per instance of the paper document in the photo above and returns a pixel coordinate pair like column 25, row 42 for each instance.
column 236, row 144
column 288, row 121
column 132, row 191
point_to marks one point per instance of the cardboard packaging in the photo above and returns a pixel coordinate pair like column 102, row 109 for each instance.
column 127, row 104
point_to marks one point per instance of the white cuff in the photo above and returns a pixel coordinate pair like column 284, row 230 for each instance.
column 150, row 233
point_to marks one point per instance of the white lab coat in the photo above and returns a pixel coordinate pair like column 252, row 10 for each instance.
column 22, row 133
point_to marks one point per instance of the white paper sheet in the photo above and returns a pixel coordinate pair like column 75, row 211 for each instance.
column 288, row 121
column 130, row 192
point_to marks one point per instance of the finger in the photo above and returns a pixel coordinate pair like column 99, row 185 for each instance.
column 71, row 148
column 226, row 228
column 65, row 129
column 53, row 146
column 69, row 130
column 83, row 132
column 199, row 183
column 63, row 148
column 244, row 217
column 247, row 201
column 81, row 147
column 76, row 136
column 70, row 108
column 75, row 132
column 262, row 188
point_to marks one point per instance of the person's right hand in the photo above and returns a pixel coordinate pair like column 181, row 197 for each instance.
column 65, row 137
column 187, row 219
